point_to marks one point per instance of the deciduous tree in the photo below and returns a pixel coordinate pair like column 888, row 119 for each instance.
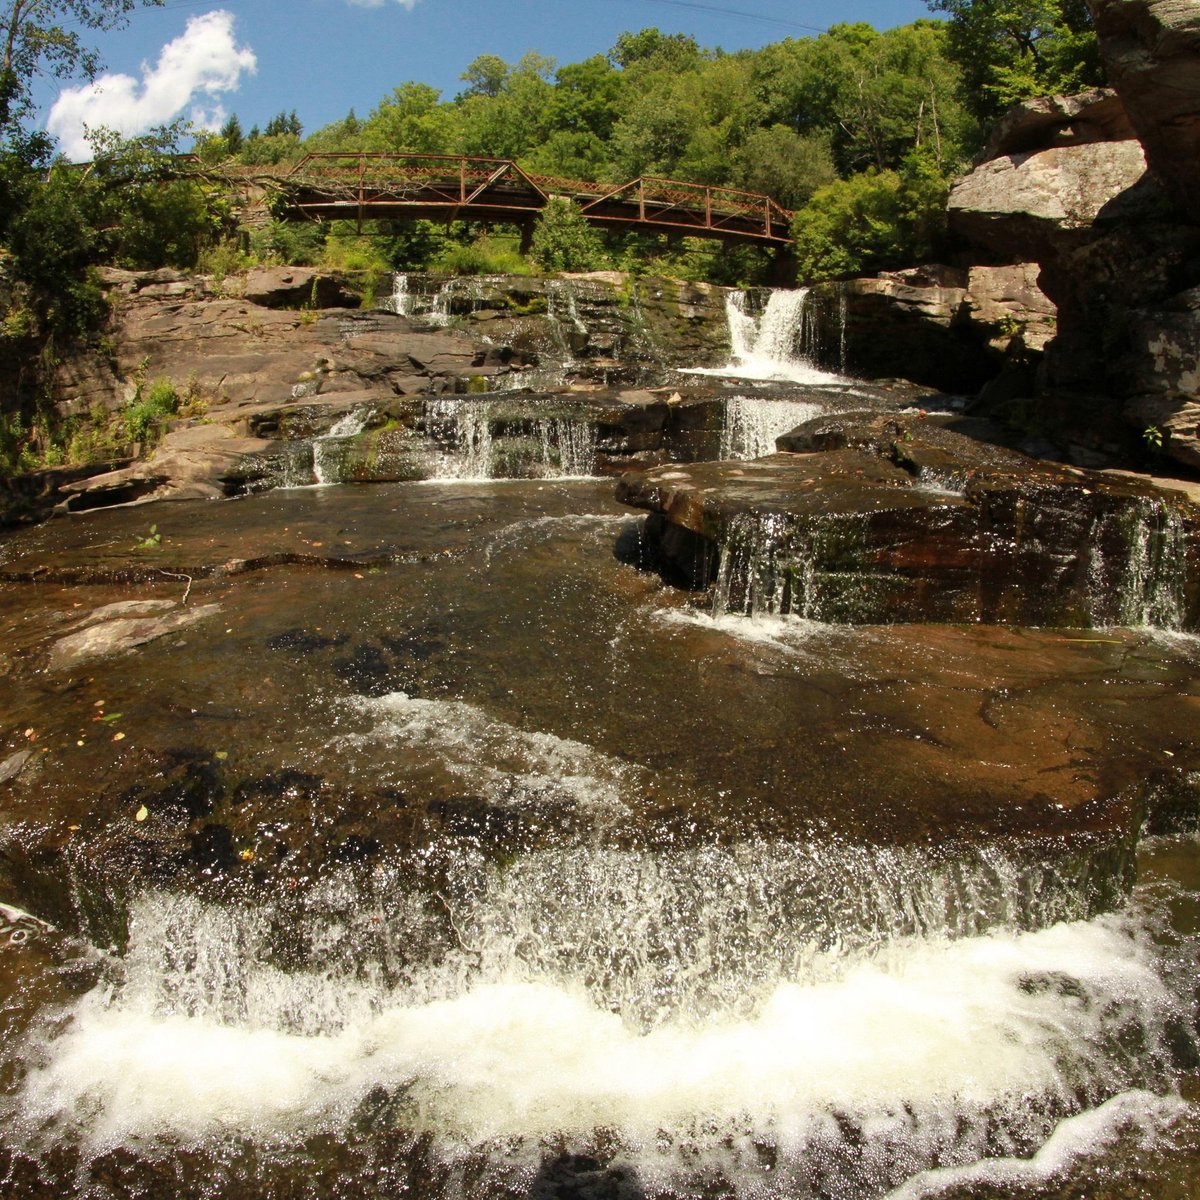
column 48, row 37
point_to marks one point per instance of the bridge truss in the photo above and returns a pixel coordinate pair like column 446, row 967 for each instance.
column 445, row 187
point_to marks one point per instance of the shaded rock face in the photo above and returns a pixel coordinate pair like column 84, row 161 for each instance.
column 1045, row 121
column 897, row 519
column 1151, row 50
column 1117, row 258
column 944, row 327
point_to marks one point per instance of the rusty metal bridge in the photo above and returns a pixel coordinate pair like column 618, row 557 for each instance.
column 358, row 187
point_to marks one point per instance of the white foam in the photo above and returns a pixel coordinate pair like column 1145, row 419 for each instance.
column 791, row 634
column 506, row 763
column 928, row 1045
column 1088, row 1133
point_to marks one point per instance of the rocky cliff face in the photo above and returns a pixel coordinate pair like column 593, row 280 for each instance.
column 282, row 356
column 1112, row 222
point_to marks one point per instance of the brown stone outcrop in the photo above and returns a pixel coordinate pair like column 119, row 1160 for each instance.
column 1151, row 49
column 878, row 519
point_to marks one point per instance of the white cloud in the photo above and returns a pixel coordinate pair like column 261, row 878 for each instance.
column 191, row 72
column 380, row 3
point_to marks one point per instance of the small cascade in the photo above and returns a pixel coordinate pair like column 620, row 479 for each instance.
column 401, row 300
column 777, row 342
column 1136, row 570
column 478, row 438
column 462, row 430
column 771, row 567
column 329, row 450
column 752, row 424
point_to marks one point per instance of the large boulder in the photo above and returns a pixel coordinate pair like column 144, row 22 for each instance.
column 1151, row 49
column 1046, row 121
column 895, row 518
column 296, row 287
column 1031, row 205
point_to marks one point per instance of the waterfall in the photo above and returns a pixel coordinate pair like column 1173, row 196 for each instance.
column 1136, row 567
column 329, row 450
column 481, row 439
column 752, row 424
column 401, row 300
column 777, row 343
column 770, row 567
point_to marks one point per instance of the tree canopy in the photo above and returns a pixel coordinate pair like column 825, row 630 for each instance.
column 38, row 39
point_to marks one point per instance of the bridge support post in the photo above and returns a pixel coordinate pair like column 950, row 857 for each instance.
column 526, row 236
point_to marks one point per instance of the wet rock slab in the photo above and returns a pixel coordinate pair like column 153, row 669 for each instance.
column 900, row 518
column 470, row 669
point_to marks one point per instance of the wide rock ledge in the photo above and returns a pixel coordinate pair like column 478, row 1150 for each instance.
column 899, row 519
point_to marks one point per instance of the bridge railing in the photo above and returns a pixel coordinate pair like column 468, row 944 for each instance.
column 460, row 180
column 449, row 178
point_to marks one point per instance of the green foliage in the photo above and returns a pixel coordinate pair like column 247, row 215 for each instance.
column 874, row 221
column 411, row 119
column 291, row 243
column 783, row 164
column 563, row 240
column 145, row 416
column 46, row 37
column 486, row 255
column 1008, row 50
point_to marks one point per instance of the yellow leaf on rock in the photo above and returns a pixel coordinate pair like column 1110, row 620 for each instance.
column 142, row 813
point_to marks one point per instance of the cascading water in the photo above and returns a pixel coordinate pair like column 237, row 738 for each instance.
column 1137, row 567
column 401, row 300
column 329, row 449
column 745, row 1026
column 319, row 460
column 483, row 438
column 774, row 344
column 753, row 423
column 481, row 882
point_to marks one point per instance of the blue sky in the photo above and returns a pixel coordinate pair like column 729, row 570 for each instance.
column 204, row 60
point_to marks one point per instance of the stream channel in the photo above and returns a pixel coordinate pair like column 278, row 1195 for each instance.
column 437, row 848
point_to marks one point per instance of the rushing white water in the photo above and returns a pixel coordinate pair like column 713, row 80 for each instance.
column 328, row 449
column 859, row 1069
column 508, row 765
column 318, row 461
column 401, row 300
column 752, row 424
column 774, row 345
column 534, row 446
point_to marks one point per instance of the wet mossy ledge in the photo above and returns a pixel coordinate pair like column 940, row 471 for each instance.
column 867, row 519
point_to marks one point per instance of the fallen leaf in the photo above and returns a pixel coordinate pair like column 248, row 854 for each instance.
column 111, row 717
column 118, row 737
column 141, row 814
column 222, row 755
column 100, row 704
column 246, row 855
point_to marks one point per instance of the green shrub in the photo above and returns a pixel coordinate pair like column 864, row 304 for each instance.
column 486, row 255
column 146, row 414
column 874, row 221
column 563, row 239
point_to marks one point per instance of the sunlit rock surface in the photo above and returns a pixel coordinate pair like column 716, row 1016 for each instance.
column 911, row 521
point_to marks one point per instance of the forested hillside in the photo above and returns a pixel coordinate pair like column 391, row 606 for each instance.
column 860, row 132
